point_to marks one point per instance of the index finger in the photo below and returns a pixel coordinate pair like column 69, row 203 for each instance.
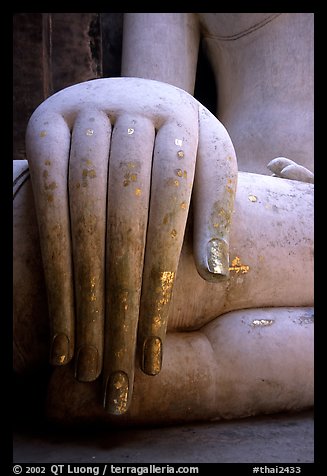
column 171, row 187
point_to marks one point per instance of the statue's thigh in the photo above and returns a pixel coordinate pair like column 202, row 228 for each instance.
column 243, row 363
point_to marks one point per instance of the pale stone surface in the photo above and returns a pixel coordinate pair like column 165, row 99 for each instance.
column 268, row 296
column 263, row 65
column 160, row 133
column 243, row 363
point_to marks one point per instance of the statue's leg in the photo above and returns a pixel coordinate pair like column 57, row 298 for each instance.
column 241, row 353
column 247, row 362
column 271, row 255
column 30, row 317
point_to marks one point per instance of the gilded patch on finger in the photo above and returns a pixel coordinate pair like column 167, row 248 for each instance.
column 173, row 233
column 164, row 294
column 116, row 394
column 138, row 192
column 128, row 178
column 172, row 182
column 92, row 289
column 152, row 355
column 221, row 218
column 50, row 186
column 167, row 281
column 123, row 297
column 217, row 256
column 89, row 173
column 181, row 173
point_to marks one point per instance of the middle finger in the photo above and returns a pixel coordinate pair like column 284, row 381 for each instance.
column 127, row 215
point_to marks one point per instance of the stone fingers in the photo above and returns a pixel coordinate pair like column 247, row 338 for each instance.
column 214, row 194
column 114, row 206
column 127, row 218
column 171, row 187
column 286, row 168
column 88, row 172
column 47, row 148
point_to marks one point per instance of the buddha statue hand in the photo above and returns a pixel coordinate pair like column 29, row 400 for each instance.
column 113, row 164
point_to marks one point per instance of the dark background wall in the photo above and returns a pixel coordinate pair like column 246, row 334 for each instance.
column 54, row 50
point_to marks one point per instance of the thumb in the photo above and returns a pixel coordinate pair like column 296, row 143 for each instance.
column 214, row 194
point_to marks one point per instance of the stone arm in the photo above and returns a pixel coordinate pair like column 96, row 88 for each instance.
column 161, row 46
column 165, row 47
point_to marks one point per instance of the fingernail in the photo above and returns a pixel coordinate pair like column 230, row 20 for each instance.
column 152, row 356
column 116, row 393
column 218, row 257
column 87, row 364
column 59, row 350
